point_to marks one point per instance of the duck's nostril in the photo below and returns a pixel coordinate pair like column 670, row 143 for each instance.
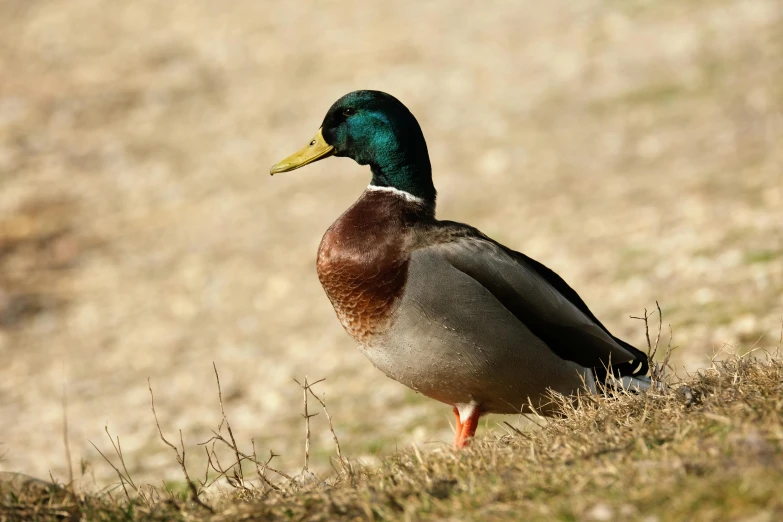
column 312, row 143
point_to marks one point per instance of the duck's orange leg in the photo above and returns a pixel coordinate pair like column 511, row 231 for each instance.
column 458, row 427
column 466, row 428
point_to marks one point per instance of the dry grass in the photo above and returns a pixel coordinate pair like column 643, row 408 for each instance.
column 710, row 448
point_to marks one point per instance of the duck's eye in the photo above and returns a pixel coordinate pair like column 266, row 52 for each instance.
column 348, row 112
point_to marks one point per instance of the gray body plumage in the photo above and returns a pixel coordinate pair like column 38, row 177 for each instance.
column 456, row 333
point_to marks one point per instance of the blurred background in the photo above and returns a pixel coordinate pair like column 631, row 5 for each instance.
column 635, row 147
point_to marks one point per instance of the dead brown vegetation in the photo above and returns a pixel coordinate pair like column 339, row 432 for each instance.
column 707, row 448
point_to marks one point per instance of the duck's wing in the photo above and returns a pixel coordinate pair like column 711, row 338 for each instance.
column 539, row 298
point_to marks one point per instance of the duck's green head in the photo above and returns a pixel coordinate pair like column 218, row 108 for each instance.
column 372, row 128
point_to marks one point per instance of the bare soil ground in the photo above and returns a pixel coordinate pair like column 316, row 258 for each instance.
column 635, row 147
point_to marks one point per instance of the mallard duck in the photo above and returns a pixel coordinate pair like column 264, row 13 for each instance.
column 437, row 305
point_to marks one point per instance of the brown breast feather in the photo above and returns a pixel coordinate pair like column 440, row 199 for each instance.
column 363, row 260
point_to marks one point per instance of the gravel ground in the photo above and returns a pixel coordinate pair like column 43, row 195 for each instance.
column 634, row 147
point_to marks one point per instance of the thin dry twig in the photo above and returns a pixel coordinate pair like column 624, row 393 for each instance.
column 657, row 369
column 213, row 462
column 118, row 451
column 307, row 427
column 66, row 442
column 322, row 402
column 516, row 430
column 206, row 471
column 660, row 325
column 646, row 320
column 238, row 471
column 305, row 386
column 217, row 437
column 123, row 478
column 262, row 473
column 194, row 492
column 668, row 354
column 536, row 415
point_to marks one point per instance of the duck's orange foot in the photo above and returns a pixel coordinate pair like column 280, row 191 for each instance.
column 467, row 422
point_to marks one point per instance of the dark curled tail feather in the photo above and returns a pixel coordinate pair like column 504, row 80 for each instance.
column 639, row 367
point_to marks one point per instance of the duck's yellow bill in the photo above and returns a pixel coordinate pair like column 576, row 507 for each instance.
column 316, row 150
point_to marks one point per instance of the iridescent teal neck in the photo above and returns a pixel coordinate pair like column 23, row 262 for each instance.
column 406, row 171
column 397, row 153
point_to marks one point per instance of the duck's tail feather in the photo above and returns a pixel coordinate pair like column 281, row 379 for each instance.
column 638, row 367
